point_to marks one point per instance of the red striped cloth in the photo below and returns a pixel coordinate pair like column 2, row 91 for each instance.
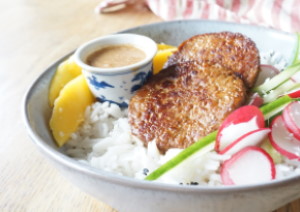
column 278, row 14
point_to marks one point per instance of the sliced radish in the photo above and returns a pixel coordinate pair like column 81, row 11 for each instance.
column 294, row 93
column 283, row 141
column 291, row 118
column 228, row 134
column 238, row 123
column 248, row 166
column 252, row 138
column 245, row 114
column 255, row 100
column 266, row 72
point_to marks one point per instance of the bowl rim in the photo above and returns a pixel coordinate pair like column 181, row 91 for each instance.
column 71, row 163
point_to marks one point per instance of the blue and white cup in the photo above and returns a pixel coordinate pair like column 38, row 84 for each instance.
column 116, row 85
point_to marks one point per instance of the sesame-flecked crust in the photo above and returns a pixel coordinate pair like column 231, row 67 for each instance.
column 183, row 103
column 233, row 51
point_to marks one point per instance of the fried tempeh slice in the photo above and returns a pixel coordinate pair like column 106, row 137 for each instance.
column 183, row 103
column 233, row 51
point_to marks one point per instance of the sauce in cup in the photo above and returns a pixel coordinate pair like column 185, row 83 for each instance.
column 115, row 56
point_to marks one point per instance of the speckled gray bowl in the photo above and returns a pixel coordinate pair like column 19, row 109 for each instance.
column 129, row 195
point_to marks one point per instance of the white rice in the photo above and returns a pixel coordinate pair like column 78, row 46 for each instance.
column 104, row 141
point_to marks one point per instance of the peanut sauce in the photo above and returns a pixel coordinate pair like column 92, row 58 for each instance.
column 115, row 56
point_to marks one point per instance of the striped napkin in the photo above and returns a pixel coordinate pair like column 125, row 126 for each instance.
column 279, row 14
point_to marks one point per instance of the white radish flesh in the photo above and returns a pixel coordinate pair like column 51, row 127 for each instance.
column 235, row 131
column 249, row 166
column 284, row 141
column 291, row 118
column 240, row 122
column 252, row 138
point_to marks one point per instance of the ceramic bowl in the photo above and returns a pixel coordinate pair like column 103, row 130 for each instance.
column 129, row 195
column 118, row 84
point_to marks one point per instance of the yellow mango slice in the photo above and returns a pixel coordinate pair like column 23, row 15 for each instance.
column 162, row 46
column 161, row 58
column 65, row 72
column 69, row 109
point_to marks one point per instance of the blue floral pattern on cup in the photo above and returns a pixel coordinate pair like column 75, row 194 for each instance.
column 141, row 79
column 122, row 84
column 116, row 85
column 102, row 84
column 121, row 104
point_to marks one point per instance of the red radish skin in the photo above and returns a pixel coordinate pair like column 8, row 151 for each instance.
column 256, row 100
column 283, row 141
column 291, row 118
column 242, row 115
column 266, row 71
column 248, row 166
column 233, row 132
column 294, row 93
column 252, row 138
